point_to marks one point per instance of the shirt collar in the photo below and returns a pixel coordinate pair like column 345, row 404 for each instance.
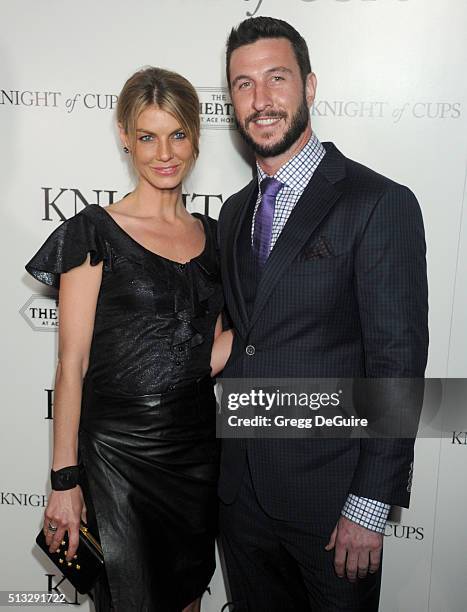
column 296, row 173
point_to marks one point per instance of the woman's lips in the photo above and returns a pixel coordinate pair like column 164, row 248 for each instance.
column 165, row 171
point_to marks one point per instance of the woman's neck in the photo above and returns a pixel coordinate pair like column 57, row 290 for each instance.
column 150, row 202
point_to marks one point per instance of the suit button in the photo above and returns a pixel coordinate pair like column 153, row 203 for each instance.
column 250, row 350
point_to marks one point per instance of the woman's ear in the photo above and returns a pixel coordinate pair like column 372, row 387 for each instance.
column 123, row 138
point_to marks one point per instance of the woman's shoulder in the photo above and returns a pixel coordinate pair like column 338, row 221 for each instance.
column 206, row 218
column 81, row 223
column 91, row 213
column 209, row 223
column 68, row 247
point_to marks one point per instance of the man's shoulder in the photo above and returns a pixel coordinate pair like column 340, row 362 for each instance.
column 243, row 192
column 361, row 180
column 238, row 198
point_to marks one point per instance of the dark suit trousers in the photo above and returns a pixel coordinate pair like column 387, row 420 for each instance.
column 281, row 566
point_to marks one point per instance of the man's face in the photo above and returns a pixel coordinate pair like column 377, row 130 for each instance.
column 271, row 105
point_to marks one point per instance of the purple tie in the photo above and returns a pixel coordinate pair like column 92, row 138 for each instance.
column 262, row 232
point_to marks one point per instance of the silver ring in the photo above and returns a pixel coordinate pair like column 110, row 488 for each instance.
column 52, row 528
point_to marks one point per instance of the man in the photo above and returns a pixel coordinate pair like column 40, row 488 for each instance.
column 323, row 264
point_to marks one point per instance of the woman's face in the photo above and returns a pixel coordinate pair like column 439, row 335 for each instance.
column 162, row 154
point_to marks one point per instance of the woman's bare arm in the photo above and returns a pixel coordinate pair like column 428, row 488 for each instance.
column 79, row 289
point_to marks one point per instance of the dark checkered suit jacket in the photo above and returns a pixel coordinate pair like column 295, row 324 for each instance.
column 343, row 294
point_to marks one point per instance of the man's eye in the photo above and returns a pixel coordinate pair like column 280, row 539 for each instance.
column 276, row 78
column 244, row 85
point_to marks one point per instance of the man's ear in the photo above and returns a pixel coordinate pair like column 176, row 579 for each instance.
column 310, row 88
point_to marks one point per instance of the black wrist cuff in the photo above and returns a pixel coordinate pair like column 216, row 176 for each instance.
column 66, row 478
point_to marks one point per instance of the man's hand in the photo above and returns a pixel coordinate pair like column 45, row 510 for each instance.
column 357, row 549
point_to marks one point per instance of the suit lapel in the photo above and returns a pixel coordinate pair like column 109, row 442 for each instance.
column 315, row 203
column 230, row 259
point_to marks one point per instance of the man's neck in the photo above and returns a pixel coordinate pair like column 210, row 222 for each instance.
column 270, row 165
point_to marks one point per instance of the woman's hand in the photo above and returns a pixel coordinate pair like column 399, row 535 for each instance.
column 221, row 348
column 64, row 511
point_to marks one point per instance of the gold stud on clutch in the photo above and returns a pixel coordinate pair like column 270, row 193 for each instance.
column 69, row 563
column 75, row 557
column 60, row 560
column 78, row 566
column 63, row 542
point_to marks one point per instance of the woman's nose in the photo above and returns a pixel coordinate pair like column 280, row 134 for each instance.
column 164, row 150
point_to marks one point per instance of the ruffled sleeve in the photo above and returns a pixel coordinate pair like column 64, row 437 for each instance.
column 66, row 248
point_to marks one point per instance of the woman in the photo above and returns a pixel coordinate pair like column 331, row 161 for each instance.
column 139, row 300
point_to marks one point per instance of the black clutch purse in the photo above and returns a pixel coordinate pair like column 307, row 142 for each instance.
column 83, row 570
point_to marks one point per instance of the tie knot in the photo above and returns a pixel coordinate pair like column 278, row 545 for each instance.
column 270, row 186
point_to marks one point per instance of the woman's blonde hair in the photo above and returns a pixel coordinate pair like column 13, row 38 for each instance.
column 170, row 92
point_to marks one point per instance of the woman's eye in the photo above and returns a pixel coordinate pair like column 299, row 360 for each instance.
column 146, row 138
column 179, row 135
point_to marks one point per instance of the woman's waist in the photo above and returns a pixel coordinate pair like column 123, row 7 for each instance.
column 153, row 376
column 190, row 405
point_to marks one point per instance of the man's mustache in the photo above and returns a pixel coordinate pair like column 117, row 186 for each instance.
column 265, row 115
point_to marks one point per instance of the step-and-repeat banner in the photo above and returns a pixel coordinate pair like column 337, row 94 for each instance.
column 391, row 94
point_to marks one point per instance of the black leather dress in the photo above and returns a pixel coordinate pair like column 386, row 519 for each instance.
column 147, row 429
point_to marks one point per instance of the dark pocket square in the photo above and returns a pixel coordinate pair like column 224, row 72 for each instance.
column 318, row 250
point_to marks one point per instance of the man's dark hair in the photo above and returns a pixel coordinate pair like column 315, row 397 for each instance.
column 255, row 28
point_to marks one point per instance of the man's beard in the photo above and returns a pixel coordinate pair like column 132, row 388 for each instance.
column 297, row 126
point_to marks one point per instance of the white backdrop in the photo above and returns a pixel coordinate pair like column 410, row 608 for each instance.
column 391, row 94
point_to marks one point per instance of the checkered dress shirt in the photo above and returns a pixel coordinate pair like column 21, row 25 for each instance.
column 295, row 175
